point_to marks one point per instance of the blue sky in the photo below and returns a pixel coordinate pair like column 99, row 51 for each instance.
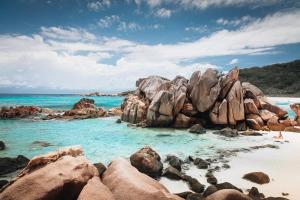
column 58, row 46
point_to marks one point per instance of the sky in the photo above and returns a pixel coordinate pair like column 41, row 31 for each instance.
column 75, row 46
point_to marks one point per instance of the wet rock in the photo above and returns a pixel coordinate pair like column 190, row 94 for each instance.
column 127, row 183
column 174, row 161
column 255, row 194
column 212, row 180
column 194, row 196
column 100, row 167
column 228, row 194
column 95, row 190
column 251, row 133
column 118, row 121
column 227, row 185
column 200, row 163
column 197, row 128
column 205, row 89
column 2, row 145
column 209, row 190
column 257, row 177
column 172, row 173
column 226, row 166
column 3, row 183
column 227, row 132
column 8, row 165
column 147, row 161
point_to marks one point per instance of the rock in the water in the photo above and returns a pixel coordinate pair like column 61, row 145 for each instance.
column 84, row 103
column 274, row 125
column 205, row 90
column 118, row 121
column 95, row 190
column 18, row 112
column 2, row 145
column 127, row 183
column 174, row 161
column 115, row 112
column 100, row 167
column 228, row 194
column 197, row 128
column 147, row 161
column 134, row 110
column 172, row 173
column 63, row 178
column 41, row 144
column 8, row 165
column 257, row 177
column 227, row 132
column 182, row 121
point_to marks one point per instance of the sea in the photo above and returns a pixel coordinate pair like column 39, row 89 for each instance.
column 103, row 139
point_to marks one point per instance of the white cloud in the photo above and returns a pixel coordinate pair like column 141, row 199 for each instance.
column 98, row 5
column 163, row 13
column 235, row 22
column 234, row 61
column 199, row 29
column 108, row 21
column 124, row 26
column 69, row 33
column 43, row 60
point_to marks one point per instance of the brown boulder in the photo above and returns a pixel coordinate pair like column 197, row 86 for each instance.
column 266, row 115
column 189, row 110
column 95, row 190
column 193, row 82
column 250, row 107
column 147, row 161
column 63, row 178
column 253, row 124
column 227, row 194
column 205, row 90
column 84, row 103
column 18, row 112
column 235, row 104
column 257, row 177
column 127, row 183
column 275, row 109
column 274, row 125
column 228, row 80
column 218, row 115
column 182, row 121
column 134, row 109
column 296, row 108
column 251, row 91
column 147, row 87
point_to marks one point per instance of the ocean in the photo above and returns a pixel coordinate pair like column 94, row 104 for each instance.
column 103, row 139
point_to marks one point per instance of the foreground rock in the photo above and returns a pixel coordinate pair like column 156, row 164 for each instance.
column 257, row 177
column 147, row 161
column 228, row 194
column 8, row 165
column 59, row 175
column 127, row 183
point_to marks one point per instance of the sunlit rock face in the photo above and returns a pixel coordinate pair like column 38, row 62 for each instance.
column 208, row 98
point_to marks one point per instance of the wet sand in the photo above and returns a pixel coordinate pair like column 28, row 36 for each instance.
column 282, row 165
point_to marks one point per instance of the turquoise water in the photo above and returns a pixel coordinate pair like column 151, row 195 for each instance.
column 103, row 139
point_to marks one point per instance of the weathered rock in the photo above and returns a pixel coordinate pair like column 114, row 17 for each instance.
column 134, row 109
column 189, row 110
column 100, row 167
column 115, row 112
column 257, row 177
column 172, row 173
column 148, row 87
column 235, row 104
column 266, row 115
column 182, row 121
column 227, row 132
column 2, row 145
column 251, row 91
column 227, row 194
column 95, row 190
column 219, row 113
column 18, row 112
column 8, row 165
column 227, row 81
column 212, row 180
column 256, row 118
column 274, row 125
column 250, row 107
column 147, row 161
column 195, row 185
column 280, row 113
column 205, row 90
column 296, row 108
column 84, row 113
column 63, row 178
column 127, row 183
column 84, row 103
column 253, row 124
column 174, row 161
column 197, row 128
column 288, row 122
column 293, row 129
column 193, row 82
column 209, row 190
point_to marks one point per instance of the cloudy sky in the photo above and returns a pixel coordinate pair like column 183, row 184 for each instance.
column 59, row 46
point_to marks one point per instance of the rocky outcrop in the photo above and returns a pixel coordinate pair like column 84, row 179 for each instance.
column 115, row 112
column 8, row 165
column 147, row 161
column 60, row 175
column 134, row 109
column 84, row 103
column 18, row 112
column 257, row 177
column 296, row 108
column 127, row 183
column 148, row 87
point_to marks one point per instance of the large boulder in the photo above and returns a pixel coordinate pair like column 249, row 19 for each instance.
column 127, row 183
column 182, row 121
column 250, row 107
column 134, row 109
column 252, row 92
column 235, row 104
column 205, row 90
column 275, row 109
column 147, row 87
column 189, row 109
column 95, row 190
column 147, row 161
column 228, row 194
column 296, row 108
column 218, row 115
column 8, row 165
column 18, row 112
column 60, row 175
column 193, row 82
column 257, row 177
column 84, row 103
column 228, row 80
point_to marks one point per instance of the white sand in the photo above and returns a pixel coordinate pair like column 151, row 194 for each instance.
column 282, row 165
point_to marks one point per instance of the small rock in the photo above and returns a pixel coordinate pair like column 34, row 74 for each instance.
column 2, row 145
column 251, row 133
column 212, row 180
column 174, row 161
column 100, row 167
column 227, row 132
column 200, row 163
column 226, row 166
column 194, row 196
column 195, row 185
column 228, row 194
column 284, row 194
column 257, row 177
column 172, row 173
column 118, row 121
column 197, row 128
